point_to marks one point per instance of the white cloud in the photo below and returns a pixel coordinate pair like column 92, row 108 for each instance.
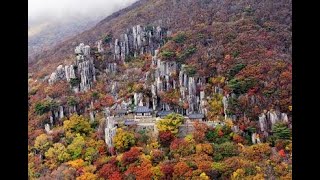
column 39, row 10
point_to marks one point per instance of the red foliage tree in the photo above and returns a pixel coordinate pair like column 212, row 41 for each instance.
column 107, row 101
column 167, row 169
column 220, row 133
column 182, row 147
column 182, row 170
column 282, row 153
column 59, row 89
column 237, row 138
column 165, row 138
column 143, row 171
column 130, row 156
column 108, row 169
column 157, row 155
column 115, row 176
column 170, row 97
column 200, row 131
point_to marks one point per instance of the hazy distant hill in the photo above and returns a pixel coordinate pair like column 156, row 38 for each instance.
column 45, row 35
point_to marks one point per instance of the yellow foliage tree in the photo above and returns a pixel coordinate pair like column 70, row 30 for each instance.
column 171, row 122
column 204, row 148
column 257, row 152
column 229, row 122
column 56, row 155
column 78, row 163
column 215, row 106
column 76, row 124
column 76, row 147
column 217, row 80
column 156, row 173
column 87, row 176
column 42, row 142
column 123, row 140
column 238, row 174
column 203, row 176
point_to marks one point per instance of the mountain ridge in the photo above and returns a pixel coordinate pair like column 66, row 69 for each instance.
column 130, row 16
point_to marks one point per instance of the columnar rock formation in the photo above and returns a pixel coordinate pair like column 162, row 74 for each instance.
column 187, row 85
column 111, row 68
column 268, row 119
column 61, row 113
column 110, row 131
column 165, row 76
column 138, row 40
column 99, row 46
column 83, row 70
column 137, row 98
column 70, row 73
column 47, row 129
column 225, row 105
column 58, row 74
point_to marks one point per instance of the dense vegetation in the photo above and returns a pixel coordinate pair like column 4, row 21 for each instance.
column 75, row 150
column 241, row 48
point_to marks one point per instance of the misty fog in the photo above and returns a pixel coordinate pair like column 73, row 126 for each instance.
column 52, row 21
column 40, row 11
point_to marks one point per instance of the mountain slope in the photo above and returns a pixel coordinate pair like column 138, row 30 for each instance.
column 167, row 89
column 175, row 15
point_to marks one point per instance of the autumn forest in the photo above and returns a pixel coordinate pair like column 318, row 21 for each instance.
column 167, row 89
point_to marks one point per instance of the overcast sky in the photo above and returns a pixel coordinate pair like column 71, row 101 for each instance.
column 39, row 10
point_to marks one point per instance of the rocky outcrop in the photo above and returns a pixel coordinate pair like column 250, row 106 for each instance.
column 47, row 129
column 225, row 105
column 99, row 46
column 86, row 74
column 61, row 113
column 91, row 114
column 111, row 68
column 138, row 97
column 58, row 74
column 138, row 40
column 164, row 80
column 82, row 70
column 268, row 119
column 69, row 71
column 82, row 50
column 110, row 131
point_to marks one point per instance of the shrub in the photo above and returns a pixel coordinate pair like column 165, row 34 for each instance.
column 41, row 108
column 281, row 131
column 149, row 28
column 107, row 38
column 130, row 57
column 74, row 82
column 167, row 54
column 187, row 53
column 72, row 101
column 241, row 86
column 223, row 150
column 179, row 38
column 235, row 54
column 190, row 71
column 271, row 140
column 235, row 70
column 281, row 144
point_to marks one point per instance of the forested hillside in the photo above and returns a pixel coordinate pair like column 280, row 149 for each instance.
column 167, row 89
